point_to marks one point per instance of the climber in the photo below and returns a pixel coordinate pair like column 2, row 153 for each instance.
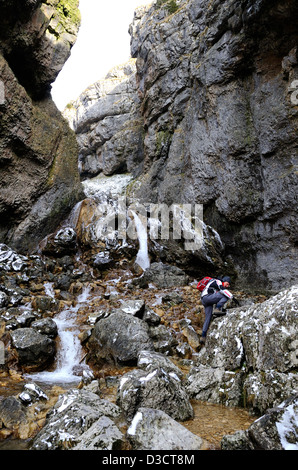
column 215, row 293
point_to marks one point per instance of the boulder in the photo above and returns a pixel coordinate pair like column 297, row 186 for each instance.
column 102, row 435
column 241, row 363
column 277, row 429
column 73, row 415
column 34, row 349
column 119, row 338
column 61, row 243
column 158, row 389
column 46, row 326
column 149, row 361
column 153, row 429
column 162, row 275
column 12, row 413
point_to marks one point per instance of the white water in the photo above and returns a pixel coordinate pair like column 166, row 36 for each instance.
column 69, row 353
column 142, row 258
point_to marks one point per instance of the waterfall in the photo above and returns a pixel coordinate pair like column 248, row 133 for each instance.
column 69, row 351
column 142, row 258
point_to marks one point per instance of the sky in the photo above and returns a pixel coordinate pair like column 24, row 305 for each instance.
column 102, row 43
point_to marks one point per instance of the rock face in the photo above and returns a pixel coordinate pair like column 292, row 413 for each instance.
column 250, row 357
column 108, row 124
column 215, row 91
column 220, row 123
column 39, row 176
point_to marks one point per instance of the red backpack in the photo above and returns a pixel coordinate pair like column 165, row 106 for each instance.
column 203, row 283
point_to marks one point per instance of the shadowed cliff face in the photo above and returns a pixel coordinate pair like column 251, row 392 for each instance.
column 38, row 151
column 221, row 124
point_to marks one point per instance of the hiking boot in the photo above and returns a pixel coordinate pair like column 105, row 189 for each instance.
column 219, row 312
column 202, row 340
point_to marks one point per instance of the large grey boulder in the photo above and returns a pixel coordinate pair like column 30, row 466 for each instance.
column 163, row 275
column 250, row 356
column 74, row 414
column 119, row 338
column 34, row 350
column 277, row 429
column 153, row 429
column 156, row 388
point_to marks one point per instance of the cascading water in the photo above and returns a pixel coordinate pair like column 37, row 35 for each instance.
column 69, row 353
column 142, row 258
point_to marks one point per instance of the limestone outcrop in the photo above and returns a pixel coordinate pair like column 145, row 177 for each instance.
column 39, row 177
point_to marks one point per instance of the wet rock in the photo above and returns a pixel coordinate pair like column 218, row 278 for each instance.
column 155, row 430
column 133, row 307
column 74, row 413
column 149, row 360
column 103, row 260
column 162, row 275
column 34, row 349
column 151, row 317
column 61, row 243
column 25, row 319
column 46, row 326
column 44, row 303
column 155, row 389
column 31, row 394
column 10, row 260
column 276, row 430
column 3, row 299
column 119, row 337
column 164, row 340
column 102, row 435
column 190, row 334
column 12, row 413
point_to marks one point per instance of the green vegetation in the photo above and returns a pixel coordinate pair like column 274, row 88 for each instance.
column 170, row 5
column 69, row 9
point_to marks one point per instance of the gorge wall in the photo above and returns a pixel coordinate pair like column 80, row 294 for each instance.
column 38, row 152
column 214, row 101
column 206, row 113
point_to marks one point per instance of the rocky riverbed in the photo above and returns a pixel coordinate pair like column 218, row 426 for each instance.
column 140, row 379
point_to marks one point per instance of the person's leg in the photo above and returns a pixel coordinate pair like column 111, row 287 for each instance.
column 221, row 302
column 208, row 316
column 208, row 301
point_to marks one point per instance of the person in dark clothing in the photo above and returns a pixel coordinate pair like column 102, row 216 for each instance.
column 215, row 293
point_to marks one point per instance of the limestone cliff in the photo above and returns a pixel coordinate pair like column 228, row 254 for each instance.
column 38, row 152
column 216, row 90
column 221, row 124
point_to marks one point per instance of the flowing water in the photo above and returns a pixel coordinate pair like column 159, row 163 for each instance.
column 70, row 352
column 142, row 258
